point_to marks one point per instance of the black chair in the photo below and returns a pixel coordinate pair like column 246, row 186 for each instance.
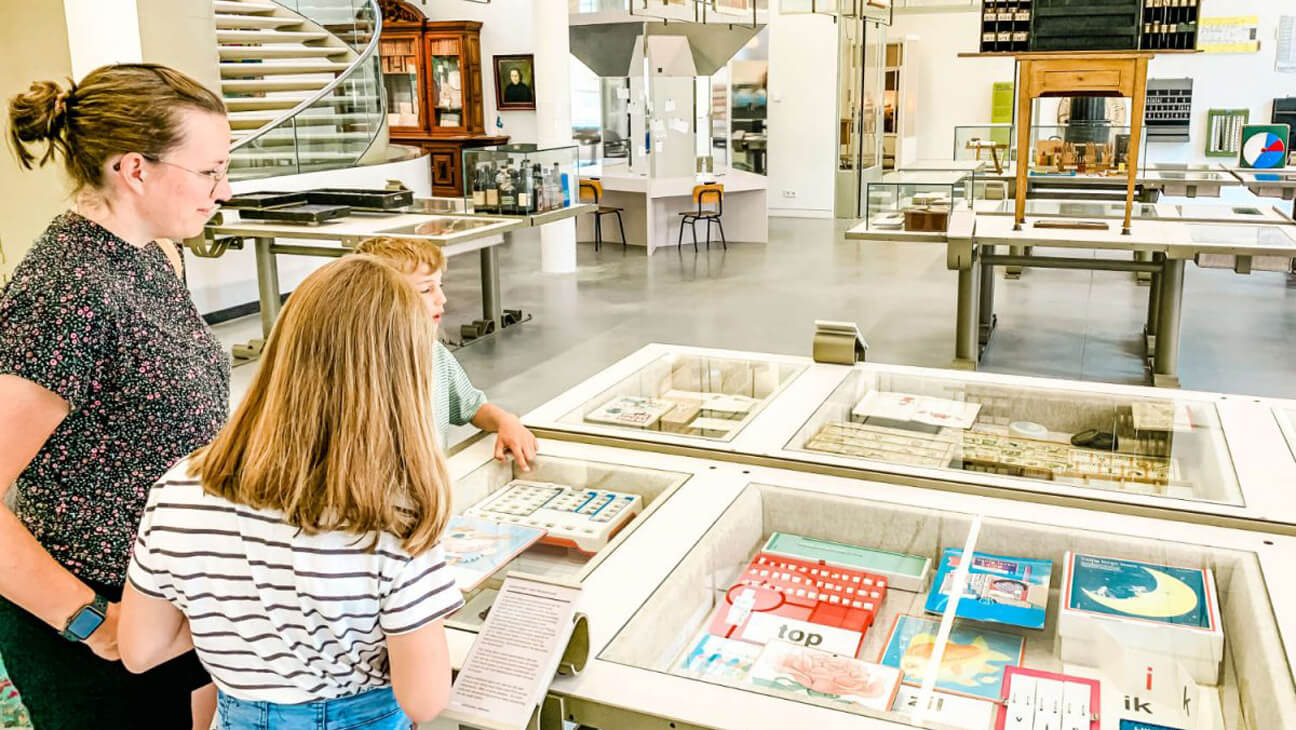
column 595, row 190
column 701, row 193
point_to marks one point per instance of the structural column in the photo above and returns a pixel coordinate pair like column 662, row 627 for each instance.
column 553, row 120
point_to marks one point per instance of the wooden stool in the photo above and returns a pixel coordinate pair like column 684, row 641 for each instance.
column 701, row 193
column 594, row 189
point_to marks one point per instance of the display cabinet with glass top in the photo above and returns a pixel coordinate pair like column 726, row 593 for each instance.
column 1168, row 446
column 556, row 520
column 520, row 179
column 1182, row 455
column 683, row 397
column 803, row 593
column 919, row 201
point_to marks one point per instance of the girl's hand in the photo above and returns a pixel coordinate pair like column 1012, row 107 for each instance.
column 514, row 438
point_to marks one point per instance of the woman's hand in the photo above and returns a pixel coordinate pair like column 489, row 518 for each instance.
column 103, row 642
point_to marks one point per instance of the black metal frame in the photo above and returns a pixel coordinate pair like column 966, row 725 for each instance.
column 708, row 215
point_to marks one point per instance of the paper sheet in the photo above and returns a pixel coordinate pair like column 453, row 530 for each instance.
column 510, row 666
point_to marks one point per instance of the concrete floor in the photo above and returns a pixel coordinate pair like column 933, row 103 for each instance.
column 1239, row 332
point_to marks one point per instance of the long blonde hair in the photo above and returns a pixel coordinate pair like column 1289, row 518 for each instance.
column 337, row 429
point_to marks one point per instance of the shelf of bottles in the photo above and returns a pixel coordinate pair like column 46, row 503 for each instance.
column 1169, row 24
column 519, row 179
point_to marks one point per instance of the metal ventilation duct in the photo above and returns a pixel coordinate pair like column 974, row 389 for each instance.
column 609, row 49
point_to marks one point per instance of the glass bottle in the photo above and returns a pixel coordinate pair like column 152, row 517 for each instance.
column 492, row 189
column 479, row 187
column 524, row 187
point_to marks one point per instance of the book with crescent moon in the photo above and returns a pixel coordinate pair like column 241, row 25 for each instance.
column 1129, row 589
column 1166, row 610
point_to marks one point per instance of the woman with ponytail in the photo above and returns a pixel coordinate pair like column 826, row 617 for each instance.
column 108, row 375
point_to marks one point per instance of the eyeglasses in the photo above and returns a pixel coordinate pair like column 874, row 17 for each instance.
column 216, row 176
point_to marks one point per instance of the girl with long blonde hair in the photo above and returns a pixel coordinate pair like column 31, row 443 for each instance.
column 298, row 553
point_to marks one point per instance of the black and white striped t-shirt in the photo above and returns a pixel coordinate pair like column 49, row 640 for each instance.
column 278, row 615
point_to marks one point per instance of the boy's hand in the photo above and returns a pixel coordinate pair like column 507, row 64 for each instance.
column 514, row 438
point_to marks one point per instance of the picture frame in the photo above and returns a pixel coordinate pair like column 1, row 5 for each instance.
column 515, row 94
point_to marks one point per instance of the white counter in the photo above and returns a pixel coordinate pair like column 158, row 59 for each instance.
column 651, row 208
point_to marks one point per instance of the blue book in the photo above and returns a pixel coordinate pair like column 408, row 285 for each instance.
column 1130, row 589
column 999, row 589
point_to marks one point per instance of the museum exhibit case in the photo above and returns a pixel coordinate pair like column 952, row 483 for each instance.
column 686, row 397
column 756, row 597
column 1171, row 446
column 1198, row 457
column 557, row 520
column 916, row 200
column 520, row 179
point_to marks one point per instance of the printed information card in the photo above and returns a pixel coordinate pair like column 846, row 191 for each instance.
column 510, row 666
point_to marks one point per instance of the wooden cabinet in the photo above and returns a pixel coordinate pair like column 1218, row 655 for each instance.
column 433, row 81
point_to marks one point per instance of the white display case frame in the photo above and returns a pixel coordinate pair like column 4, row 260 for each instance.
column 610, row 694
column 1262, row 461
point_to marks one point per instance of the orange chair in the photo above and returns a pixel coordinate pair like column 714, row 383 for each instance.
column 594, row 188
column 701, row 194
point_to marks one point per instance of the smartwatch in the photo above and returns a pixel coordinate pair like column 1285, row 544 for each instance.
column 87, row 618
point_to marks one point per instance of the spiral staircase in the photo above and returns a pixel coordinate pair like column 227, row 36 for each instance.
column 302, row 82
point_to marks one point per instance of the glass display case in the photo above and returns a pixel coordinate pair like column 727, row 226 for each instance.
column 1048, row 208
column 803, row 601
column 1172, row 446
column 1286, row 416
column 558, row 520
column 1192, row 457
column 520, row 179
column 704, row 397
column 916, row 200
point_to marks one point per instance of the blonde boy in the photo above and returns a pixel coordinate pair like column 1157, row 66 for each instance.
column 457, row 401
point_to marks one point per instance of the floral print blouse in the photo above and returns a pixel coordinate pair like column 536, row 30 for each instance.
column 111, row 329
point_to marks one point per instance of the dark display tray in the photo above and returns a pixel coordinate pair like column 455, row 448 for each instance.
column 1086, row 25
column 309, row 213
column 362, row 198
column 263, row 200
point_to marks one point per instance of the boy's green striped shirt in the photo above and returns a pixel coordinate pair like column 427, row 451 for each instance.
column 457, row 401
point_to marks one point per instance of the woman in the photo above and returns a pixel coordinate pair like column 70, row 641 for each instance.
column 108, row 375
column 517, row 92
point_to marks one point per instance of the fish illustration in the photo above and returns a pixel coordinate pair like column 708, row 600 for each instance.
column 961, row 664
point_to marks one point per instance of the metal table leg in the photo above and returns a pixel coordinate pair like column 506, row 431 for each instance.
column 1153, row 310
column 268, row 293
column 1143, row 277
column 987, row 316
column 267, row 283
column 966, row 324
column 1165, row 369
column 492, row 308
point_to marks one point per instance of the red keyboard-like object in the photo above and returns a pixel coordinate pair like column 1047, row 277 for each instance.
column 811, row 603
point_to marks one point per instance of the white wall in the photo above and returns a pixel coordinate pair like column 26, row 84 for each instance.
column 802, row 135
column 100, row 32
column 507, row 28
column 953, row 90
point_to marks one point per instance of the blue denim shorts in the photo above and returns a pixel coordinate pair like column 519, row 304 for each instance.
column 372, row 710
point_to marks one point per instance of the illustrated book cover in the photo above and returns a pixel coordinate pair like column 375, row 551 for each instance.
column 999, row 589
column 475, row 548
column 973, row 661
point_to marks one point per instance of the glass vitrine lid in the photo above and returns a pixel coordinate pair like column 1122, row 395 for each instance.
column 1170, row 447
column 557, row 520
column 942, row 619
column 690, row 395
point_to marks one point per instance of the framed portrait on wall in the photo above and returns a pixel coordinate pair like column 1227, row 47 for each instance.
column 515, row 88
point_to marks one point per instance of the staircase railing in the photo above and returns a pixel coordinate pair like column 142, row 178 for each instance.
column 336, row 125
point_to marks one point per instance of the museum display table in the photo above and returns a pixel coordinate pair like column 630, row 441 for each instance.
column 651, row 205
column 1160, row 246
column 456, row 234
